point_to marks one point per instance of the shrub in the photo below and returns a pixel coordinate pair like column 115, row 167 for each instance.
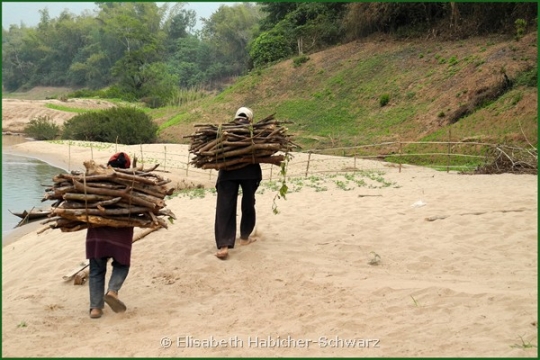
column 153, row 102
column 126, row 125
column 299, row 60
column 269, row 47
column 42, row 128
column 117, row 92
column 384, row 99
column 86, row 93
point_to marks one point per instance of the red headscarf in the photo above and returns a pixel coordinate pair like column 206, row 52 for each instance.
column 120, row 160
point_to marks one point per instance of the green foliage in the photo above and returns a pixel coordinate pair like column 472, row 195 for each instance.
column 269, row 47
column 517, row 98
column 282, row 193
column 229, row 32
column 299, row 60
column 384, row 99
column 521, row 26
column 185, row 96
column 159, row 84
column 65, row 108
column 527, row 78
column 315, row 24
column 42, row 128
column 87, row 93
column 153, row 101
column 117, row 92
column 125, row 125
column 410, row 95
column 122, row 42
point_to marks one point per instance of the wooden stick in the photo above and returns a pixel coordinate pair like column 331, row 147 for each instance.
column 117, row 222
column 102, row 211
column 275, row 160
column 83, row 197
column 135, row 198
column 145, row 233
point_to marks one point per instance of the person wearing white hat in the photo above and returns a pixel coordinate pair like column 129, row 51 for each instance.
column 244, row 114
column 227, row 185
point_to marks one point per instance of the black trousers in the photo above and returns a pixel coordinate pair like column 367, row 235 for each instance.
column 227, row 197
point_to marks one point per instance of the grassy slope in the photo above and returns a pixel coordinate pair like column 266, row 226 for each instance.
column 333, row 98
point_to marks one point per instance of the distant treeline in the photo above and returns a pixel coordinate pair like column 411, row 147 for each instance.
column 139, row 50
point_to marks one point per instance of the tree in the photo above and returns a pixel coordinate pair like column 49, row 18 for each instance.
column 306, row 26
column 270, row 46
column 229, row 31
column 17, row 66
column 180, row 22
column 275, row 12
column 135, row 29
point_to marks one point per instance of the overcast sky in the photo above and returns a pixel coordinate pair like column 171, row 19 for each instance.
column 15, row 13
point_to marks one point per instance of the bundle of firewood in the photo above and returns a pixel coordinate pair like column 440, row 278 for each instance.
column 106, row 196
column 234, row 145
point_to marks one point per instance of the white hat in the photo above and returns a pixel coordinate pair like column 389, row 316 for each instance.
column 244, row 113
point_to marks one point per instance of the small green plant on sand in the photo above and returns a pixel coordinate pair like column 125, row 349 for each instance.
column 282, row 193
column 415, row 302
column 524, row 345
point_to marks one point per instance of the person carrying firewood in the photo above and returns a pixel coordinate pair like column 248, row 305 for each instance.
column 227, row 185
column 102, row 244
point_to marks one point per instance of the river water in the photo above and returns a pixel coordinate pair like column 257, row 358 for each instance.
column 24, row 181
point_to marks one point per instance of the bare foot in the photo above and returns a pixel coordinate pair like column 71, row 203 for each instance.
column 223, row 253
column 248, row 241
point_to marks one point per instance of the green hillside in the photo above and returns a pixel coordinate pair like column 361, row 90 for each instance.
column 480, row 88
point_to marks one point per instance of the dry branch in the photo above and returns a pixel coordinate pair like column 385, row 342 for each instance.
column 510, row 159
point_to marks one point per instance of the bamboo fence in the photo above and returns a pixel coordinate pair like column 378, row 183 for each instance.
column 303, row 162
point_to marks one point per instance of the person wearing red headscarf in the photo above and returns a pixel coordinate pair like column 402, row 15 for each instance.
column 102, row 244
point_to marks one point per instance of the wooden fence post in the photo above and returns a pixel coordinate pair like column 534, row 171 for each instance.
column 187, row 165
column 400, row 152
column 165, row 160
column 308, row 160
column 142, row 155
column 91, row 151
column 449, row 150
column 69, row 156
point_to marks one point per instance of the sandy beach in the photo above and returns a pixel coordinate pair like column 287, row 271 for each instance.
column 374, row 262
